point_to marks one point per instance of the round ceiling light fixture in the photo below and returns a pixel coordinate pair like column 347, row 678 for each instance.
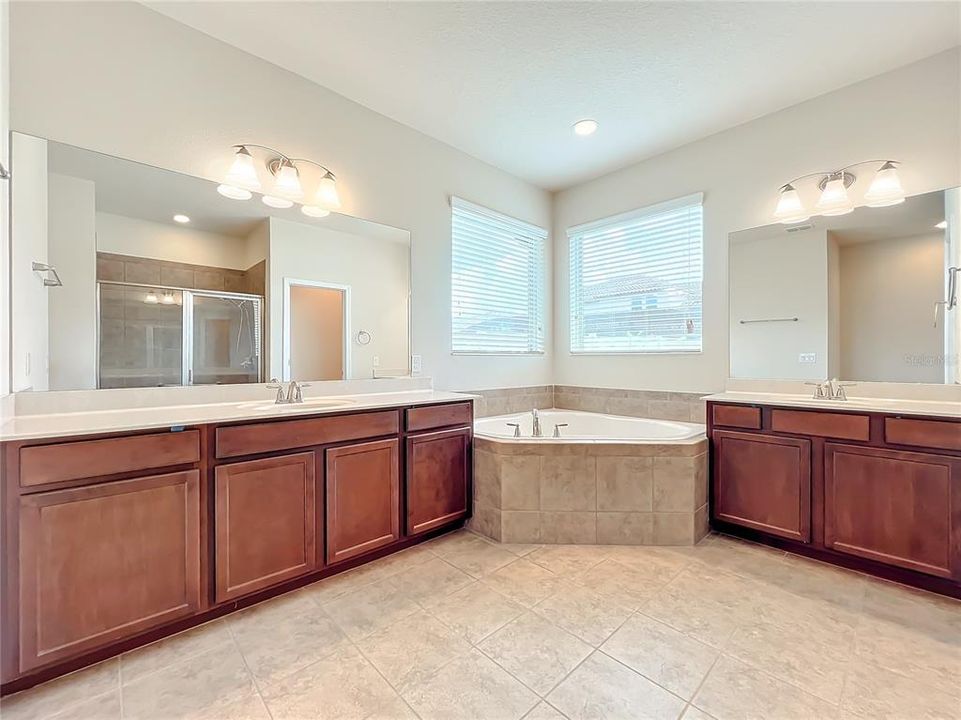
column 585, row 127
column 182, row 219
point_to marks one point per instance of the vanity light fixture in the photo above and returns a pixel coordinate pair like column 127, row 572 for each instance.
column 182, row 219
column 287, row 187
column 585, row 127
column 168, row 298
column 885, row 189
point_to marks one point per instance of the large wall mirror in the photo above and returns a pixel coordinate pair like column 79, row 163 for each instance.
column 126, row 275
column 867, row 296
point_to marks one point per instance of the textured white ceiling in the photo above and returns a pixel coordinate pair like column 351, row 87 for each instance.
column 505, row 81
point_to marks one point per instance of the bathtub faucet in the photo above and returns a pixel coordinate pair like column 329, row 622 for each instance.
column 537, row 424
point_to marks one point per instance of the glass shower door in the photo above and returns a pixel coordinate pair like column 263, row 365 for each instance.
column 224, row 339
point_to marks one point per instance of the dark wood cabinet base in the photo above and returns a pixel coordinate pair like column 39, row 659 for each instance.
column 130, row 643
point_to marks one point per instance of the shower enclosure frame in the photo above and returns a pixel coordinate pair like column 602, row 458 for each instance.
column 188, row 294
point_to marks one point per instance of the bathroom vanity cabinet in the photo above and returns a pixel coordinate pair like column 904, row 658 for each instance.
column 114, row 541
column 876, row 492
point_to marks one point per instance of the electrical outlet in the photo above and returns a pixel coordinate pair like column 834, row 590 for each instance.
column 416, row 364
column 375, row 361
column 807, row 358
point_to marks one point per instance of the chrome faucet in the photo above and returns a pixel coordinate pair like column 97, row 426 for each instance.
column 294, row 394
column 831, row 389
column 536, row 432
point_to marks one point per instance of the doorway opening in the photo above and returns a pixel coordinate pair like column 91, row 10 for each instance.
column 316, row 328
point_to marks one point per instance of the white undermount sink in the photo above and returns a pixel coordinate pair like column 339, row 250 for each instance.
column 266, row 406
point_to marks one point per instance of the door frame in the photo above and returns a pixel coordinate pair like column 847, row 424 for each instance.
column 285, row 357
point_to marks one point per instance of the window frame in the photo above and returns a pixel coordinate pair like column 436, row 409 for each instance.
column 694, row 199
column 538, row 270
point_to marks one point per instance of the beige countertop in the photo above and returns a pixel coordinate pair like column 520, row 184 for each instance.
column 31, row 427
column 852, row 404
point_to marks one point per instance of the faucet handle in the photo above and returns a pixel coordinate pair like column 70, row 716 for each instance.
column 557, row 429
column 517, row 429
column 839, row 393
column 280, row 391
column 819, row 388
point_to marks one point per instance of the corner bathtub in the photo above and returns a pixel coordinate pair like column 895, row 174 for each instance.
column 607, row 480
column 586, row 427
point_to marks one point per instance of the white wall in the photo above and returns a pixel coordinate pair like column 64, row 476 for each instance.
column 775, row 277
column 375, row 270
column 888, row 287
column 910, row 114
column 29, row 244
column 4, row 202
column 121, row 79
column 72, row 309
column 143, row 238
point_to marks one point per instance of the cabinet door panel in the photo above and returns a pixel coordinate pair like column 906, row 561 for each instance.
column 763, row 482
column 899, row 508
column 265, row 523
column 437, row 479
column 363, row 498
column 105, row 562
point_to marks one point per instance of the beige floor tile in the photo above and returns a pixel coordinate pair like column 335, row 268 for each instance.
column 812, row 658
column 879, row 694
column 431, row 581
column 536, row 652
column 582, row 612
column 479, row 558
column 452, row 542
column 910, row 651
column 158, row 655
column 335, row 586
column 814, row 580
column 343, row 685
column 626, row 585
column 543, row 711
column 568, row 559
column 739, row 556
column 933, row 615
column 368, row 609
column 660, row 564
column 476, row 611
column 396, row 709
column 200, row 686
column 524, row 582
column 519, row 549
column 285, row 640
column 102, row 707
column 692, row 713
column 735, row 690
column 471, row 687
column 411, row 651
column 662, row 654
column 603, row 689
column 60, row 694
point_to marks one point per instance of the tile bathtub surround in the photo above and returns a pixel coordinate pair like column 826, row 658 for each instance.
column 504, row 401
column 721, row 630
column 608, row 494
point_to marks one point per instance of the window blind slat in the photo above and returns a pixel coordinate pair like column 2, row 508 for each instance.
column 497, row 282
column 636, row 282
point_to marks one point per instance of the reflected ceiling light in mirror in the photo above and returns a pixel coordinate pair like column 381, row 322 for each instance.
column 585, row 127
column 789, row 208
column 943, row 225
column 885, row 190
column 151, row 298
column 314, row 211
column 234, row 193
column 886, row 187
column 243, row 172
column 168, row 298
column 277, row 202
column 182, row 219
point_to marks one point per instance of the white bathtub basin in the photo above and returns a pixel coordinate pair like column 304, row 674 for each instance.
column 587, row 427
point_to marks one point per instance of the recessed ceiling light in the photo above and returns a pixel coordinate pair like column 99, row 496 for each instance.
column 585, row 127
column 943, row 225
column 181, row 218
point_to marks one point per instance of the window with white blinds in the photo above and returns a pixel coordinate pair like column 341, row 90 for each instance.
column 497, row 282
column 636, row 280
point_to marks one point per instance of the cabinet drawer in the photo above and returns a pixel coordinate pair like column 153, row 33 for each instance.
column 740, row 416
column 821, row 424
column 437, row 416
column 266, row 437
column 42, row 464
column 923, row 433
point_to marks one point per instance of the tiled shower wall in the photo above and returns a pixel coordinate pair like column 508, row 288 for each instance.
column 659, row 405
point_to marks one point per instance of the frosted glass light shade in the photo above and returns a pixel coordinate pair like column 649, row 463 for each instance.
column 168, row 298
column 327, row 196
column 276, row 202
column 287, row 182
column 885, row 188
column 314, row 211
column 834, row 198
column 233, row 192
column 243, row 173
column 789, row 208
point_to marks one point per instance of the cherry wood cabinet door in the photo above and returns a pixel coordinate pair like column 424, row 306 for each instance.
column 899, row 508
column 265, row 523
column 763, row 482
column 363, row 498
column 104, row 562
column 437, row 479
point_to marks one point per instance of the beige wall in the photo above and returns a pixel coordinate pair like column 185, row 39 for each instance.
column 910, row 114
column 121, row 79
column 888, row 291
column 4, row 203
column 316, row 333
